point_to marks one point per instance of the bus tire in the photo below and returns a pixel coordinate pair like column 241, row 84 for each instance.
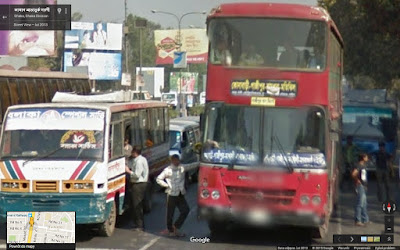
column 107, row 228
column 216, row 227
column 147, row 201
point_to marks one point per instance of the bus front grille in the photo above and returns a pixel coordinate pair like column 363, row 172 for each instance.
column 254, row 195
column 45, row 186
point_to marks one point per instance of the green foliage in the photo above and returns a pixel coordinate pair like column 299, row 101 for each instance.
column 371, row 35
column 173, row 113
column 196, row 110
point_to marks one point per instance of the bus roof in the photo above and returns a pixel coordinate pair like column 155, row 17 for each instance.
column 278, row 10
column 113, row 107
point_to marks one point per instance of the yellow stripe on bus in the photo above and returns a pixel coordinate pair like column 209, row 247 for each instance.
column 4, row 171
column 91, row 173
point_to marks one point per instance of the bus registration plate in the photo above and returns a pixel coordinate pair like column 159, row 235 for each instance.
column 262, row 101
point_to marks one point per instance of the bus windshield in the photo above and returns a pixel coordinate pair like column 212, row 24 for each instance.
column 51, row 134
column 262, row 42
column 248, row 136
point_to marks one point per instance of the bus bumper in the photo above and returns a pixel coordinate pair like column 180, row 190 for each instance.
column 262, row 217
column 89, row 208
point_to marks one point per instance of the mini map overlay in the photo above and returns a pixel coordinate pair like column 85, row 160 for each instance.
column 41, row 227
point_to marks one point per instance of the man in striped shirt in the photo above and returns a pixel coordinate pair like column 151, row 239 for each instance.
column 173, row 179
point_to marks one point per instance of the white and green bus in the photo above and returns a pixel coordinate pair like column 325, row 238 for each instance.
column 69, row 155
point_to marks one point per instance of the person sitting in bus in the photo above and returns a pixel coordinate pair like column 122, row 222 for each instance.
column 288, row 58
column 149, row 142
column 222, row 54
column 251, row 58
column 127, row 148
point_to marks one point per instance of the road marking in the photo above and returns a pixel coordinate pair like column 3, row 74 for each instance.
column 152, row 242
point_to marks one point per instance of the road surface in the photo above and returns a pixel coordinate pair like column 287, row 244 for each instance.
column 235, row 238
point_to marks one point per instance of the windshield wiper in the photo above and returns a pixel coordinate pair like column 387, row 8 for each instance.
column 282, row 151
column 40, row 157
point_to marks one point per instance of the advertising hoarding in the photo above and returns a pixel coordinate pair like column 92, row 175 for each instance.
column 30, row 43
column 84, row 35
column 194, row 42
column 189, row 81
column 101, row 65
column 153, row 78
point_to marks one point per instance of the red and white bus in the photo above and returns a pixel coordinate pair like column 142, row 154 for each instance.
column 271, row 146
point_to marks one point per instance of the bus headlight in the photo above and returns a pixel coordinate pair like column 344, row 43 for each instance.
column 205, row 194
column 304, row 199
column 8, row 185
column 316, row 200
column 78, row 186
column 215, row 195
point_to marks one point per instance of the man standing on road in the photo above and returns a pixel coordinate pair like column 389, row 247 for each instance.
column 138, row 169
column 383, row 172
column 350, row 154
column 173, row 179
column 359, row 175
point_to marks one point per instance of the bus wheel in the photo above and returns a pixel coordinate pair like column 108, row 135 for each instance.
column 216, row 227
column 107, row 228
column 147, row 201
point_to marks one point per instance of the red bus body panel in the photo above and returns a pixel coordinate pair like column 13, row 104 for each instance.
column 276, row 192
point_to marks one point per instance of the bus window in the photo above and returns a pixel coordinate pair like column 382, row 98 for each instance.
column 117, row 141
column 136, row 139
column 143, row 119
column 23, row 92
column 4, row 98
column 13, row 91
column 160, row 129
column 149, row 135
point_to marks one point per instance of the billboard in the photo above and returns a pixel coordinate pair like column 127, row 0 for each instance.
column 101, row 66
column 30, row 43
column 194, row 42
column 84, row 35
column 153, row 78
column 189, row 81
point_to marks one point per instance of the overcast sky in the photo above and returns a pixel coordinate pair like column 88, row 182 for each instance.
column 113, row 10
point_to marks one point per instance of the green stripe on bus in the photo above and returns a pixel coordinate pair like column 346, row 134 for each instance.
column 11, row 170
column 85, row 170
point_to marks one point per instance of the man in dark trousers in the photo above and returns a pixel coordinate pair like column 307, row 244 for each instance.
column 383, row 172
column 138, row 169
column 173, row 179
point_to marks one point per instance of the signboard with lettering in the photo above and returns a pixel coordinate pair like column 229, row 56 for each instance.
column 255, row 87
column 55, row 119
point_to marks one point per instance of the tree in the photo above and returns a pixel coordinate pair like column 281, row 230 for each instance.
column 371, row 35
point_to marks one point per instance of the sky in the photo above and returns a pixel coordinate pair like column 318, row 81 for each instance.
column 113, row 10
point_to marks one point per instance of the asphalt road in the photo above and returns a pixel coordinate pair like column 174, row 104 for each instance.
column 234, row 238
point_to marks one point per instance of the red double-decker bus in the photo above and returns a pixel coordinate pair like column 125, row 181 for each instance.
column 271, row 142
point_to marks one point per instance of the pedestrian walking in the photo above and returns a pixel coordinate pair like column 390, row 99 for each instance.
column 138, row 169
column 350, row 157
column 383, row 173
column 173, row 179
column 359, row 175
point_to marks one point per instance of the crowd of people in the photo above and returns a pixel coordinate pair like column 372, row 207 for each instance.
column 355, row 170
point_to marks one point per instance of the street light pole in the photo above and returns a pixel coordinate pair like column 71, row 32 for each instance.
column 181, row 103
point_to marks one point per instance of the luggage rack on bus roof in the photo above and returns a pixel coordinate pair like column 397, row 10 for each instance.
column 113, row 97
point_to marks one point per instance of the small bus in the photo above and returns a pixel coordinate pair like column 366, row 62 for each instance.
column 69, row 155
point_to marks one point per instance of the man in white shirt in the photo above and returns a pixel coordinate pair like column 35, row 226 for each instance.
column 138, row 169
column 173, row 179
